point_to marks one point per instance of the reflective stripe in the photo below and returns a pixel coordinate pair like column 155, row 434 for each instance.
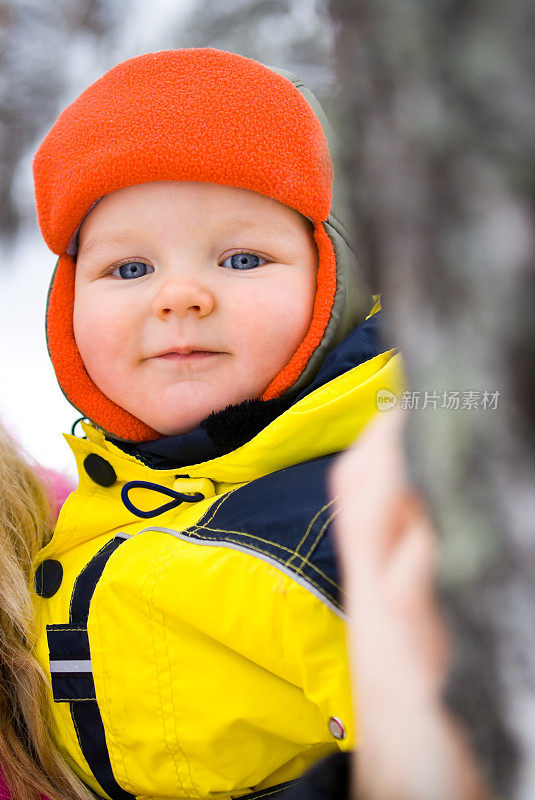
column 71, row 666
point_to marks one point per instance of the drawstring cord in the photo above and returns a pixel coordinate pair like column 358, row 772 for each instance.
column 74, row 425
column 178, row 498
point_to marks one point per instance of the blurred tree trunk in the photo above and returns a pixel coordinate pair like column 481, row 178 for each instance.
column 439, row 157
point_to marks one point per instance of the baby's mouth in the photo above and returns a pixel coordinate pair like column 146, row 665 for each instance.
column 190, row 356
column 186, row 354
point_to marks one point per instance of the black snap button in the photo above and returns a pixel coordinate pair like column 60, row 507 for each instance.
column 48, row 577
column 99, row 470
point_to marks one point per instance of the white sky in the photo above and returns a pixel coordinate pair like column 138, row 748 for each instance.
column 31, row 403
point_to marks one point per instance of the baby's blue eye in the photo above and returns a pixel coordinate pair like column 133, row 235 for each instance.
column 132, row 269
column 243, row 261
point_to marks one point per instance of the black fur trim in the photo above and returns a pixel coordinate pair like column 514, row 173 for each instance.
column 236, row 424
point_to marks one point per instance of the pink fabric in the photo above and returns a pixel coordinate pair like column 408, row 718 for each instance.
column 4, row 791
column 59, row 488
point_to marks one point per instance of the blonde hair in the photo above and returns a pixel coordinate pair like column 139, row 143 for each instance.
column 30, row 764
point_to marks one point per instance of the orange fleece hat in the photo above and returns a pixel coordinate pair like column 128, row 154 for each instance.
column 179, row 115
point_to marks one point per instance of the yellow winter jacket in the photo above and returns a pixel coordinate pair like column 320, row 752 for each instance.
column 201, row 653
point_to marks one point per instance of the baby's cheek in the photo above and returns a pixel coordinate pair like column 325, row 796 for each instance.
column 269, row 343
column 290, row 324
column 100, row 334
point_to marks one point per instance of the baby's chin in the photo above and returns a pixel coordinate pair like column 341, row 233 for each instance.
column 179, row 427
column 180, row 423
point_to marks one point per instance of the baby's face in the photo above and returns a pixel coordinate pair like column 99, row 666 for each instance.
column 190, row 297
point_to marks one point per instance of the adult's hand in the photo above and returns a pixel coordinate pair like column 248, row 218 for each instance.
column 410, row 747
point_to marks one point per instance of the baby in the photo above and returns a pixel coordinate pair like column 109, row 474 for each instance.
column 207, row 318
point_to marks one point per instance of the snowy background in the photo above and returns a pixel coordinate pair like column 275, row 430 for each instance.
column 49, row 52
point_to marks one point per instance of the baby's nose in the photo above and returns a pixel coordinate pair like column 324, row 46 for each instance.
column 181, row 296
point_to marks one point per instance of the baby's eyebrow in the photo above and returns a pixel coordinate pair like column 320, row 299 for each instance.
column 239, row 224
column 115, row 237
